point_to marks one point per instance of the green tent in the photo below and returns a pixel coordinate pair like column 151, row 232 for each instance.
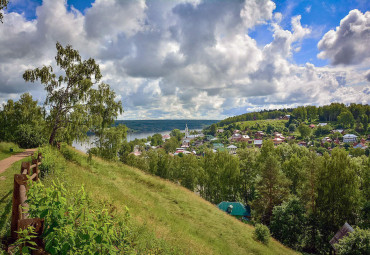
column 235, row 209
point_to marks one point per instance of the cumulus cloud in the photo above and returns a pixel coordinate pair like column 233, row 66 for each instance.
column 348, row 43
column 178, row 59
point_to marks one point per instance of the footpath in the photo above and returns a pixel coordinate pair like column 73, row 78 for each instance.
column 7, row 162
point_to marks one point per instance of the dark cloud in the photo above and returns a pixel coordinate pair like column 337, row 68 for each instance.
column 368, row 76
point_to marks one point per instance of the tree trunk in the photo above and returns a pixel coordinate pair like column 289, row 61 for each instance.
column 52, row 136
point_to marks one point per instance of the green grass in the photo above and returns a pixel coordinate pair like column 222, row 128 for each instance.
column 165, row 217
column 5, row 149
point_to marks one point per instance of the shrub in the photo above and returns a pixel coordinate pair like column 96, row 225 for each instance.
column 73, row 225
column 28, row 136
column 262, row 233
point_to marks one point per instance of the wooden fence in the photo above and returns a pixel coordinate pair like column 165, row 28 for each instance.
column 20, row 216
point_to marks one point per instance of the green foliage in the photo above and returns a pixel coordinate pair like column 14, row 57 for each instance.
column 28, row 136
column 110, row 142
column 156, row 140
column 5, row 149
column 73, row 103
column 337, row 191
column 346, row 119
column 272, row 188
column 22, row 122
column 304, row 130
column 71, row 223
column 3, row 6
column 355, row 243
column 171, row 144
column 25, row 243
column 262, row 233
column 176, row 133
column 288, row 222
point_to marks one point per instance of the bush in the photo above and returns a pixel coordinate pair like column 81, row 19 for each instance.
column 28, row 136
column 262, row 233
column 73, row 225
column 356, row 243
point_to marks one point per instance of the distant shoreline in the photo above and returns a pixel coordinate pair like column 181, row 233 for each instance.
column 149, row 126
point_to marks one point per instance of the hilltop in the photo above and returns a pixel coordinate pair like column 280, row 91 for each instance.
column 165, row 216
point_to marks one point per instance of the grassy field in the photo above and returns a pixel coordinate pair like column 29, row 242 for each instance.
column 5, row 149
column 165, row 216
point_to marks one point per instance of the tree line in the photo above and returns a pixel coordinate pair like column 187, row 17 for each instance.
column 348, row 115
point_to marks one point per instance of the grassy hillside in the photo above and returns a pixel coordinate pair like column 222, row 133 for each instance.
column 166, row 217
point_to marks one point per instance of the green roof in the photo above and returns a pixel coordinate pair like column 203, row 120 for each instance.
column 218, row 145
column 238, row 208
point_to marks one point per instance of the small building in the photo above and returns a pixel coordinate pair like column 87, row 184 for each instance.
column 220, row 130
column 286, row 117
column 322, row 124
column 166, row 137
column 258, row 143
column 217, row 145
column 236, row 209
column 259, row 134
column 236, row 137
column 245, row 138
column 337, row 131
column 312, row 126
column 326, row 140
column 344, row 231
column 277, row 140
column 349, row 138
column 232, row 149
column 302, row 143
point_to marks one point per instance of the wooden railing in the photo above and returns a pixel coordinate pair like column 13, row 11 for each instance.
column 20, row 216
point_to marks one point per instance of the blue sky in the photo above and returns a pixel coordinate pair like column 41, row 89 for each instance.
column 198, row 58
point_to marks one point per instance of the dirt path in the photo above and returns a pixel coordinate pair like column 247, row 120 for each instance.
column 7, row 162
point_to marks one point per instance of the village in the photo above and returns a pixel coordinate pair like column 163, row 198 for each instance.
column 228, row 139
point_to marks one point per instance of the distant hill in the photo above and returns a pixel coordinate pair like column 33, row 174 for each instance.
column 166, row 217
column 164, row 125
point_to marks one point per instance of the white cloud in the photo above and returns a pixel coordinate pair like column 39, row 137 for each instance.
column 183, row 59
column 349, row 43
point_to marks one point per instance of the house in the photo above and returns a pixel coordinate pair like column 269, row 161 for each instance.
column 259, row 134
column 232, row 149
column 244, row 138
column 185, row 143
column 286, row 117
column 326, row 140
column 344, row 231
column 360, row 146
column 209, row 137
column 236, row 137
column 236, row 209
column 302, row 143
column 277, row 140
column 349, row 138
column 337, row 131
column 217, row 145
column 166, row 137
column 236, row 131
column 312, row 126
column 220, row 130
column 322, row 124
column 258, row 143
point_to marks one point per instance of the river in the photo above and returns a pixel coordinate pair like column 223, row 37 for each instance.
column 85, row 146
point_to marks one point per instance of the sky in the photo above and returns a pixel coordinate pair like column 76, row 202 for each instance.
column 194, row 59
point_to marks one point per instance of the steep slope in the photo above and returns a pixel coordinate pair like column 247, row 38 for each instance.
column 181, row 220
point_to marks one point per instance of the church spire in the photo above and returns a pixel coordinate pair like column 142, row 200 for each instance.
column 186, row 131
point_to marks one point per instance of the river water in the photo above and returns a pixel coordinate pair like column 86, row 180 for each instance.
column 85, row 146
